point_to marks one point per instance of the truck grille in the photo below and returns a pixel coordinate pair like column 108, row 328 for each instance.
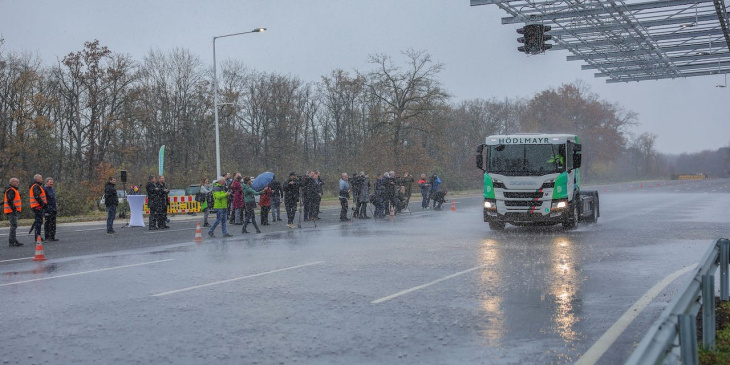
column 523, row 195
column 522, row 203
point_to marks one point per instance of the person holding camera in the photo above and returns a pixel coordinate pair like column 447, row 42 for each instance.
column 435, row 182
column 390, row 191
column 276, row 195
column 363, row 196
column 425, row 189
column 344, row 195
column 291, row 197
column 309, row 190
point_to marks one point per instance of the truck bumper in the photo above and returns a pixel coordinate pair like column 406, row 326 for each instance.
column 526, row 218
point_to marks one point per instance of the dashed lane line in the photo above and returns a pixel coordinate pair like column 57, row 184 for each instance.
column 404, row 292
column 602, row 345
column 20, row 259
column 86, row 272
column 235, row 279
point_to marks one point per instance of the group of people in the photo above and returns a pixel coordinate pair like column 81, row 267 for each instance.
column 235, row 195
column 42, row 198
column 157, row 201
column 390, row 194
column 233, row 199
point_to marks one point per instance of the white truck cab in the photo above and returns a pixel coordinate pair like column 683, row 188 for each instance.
column 534, row 179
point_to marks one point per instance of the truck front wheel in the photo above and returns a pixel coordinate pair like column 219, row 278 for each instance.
column 573, row 215
column 496, row 226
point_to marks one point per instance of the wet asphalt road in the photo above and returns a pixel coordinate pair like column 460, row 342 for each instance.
column 426, row 288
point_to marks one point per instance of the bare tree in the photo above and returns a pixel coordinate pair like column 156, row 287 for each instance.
column 407, row 94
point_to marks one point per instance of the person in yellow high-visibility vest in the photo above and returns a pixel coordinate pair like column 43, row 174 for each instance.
column 13, row 206
column 38, row 204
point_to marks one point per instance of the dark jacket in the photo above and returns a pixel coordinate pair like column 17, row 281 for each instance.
column 309, row 188
column 276, row 190
column 380, row 187
column 110, row 195
column 291, row 193
column 162, row 195
column 152, row 192
column 50, row 199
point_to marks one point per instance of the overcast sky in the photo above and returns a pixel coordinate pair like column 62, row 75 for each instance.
column 310, row 38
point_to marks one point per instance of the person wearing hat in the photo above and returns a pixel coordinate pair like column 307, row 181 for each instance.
column 220, row 205
column 291, row 198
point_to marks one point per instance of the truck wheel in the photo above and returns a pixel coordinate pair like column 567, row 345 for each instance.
column 573, row 215
column 496, row 226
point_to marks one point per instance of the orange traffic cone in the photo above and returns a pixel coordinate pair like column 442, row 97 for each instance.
column 39, row 250
column 453, row 205
column 198, row 234
column 392, row 212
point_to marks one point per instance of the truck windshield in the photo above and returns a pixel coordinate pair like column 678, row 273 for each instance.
column 526, row 159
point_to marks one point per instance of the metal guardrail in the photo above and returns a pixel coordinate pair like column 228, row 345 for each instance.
column 676, row 328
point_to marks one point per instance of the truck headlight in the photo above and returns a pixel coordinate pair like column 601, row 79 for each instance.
column 490, row 204
column 559, row 204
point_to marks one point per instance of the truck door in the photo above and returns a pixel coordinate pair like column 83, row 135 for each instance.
column 570, row 169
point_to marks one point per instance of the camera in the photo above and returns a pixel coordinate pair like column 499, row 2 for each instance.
column 357, row 180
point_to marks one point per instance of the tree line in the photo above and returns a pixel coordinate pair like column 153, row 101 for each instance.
column 96, row 112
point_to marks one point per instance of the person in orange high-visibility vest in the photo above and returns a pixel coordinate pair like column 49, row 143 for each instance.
column 38, row 204
column 13, row 206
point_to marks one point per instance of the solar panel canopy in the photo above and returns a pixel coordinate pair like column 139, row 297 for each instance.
column 630, row 40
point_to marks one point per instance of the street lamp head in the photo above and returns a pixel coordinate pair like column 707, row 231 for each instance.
column 258, row 30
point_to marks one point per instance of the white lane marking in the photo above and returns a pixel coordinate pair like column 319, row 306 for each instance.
column 601, row 346
column 25, row 258
column 396, row 295
column 236, row 279
column 171, row 230
column 87, row 272
column 87, row 230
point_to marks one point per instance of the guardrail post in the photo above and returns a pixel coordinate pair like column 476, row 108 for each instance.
column 708, row 312
column 724, row 268
column 688, row 339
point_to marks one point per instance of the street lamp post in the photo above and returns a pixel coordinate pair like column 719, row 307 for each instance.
column 215, row 99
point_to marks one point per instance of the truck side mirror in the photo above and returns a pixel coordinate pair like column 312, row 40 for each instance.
column 480, row 157
column 576, row 160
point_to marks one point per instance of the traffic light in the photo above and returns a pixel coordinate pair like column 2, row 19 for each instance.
column 545, row 37
column 534, row 38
